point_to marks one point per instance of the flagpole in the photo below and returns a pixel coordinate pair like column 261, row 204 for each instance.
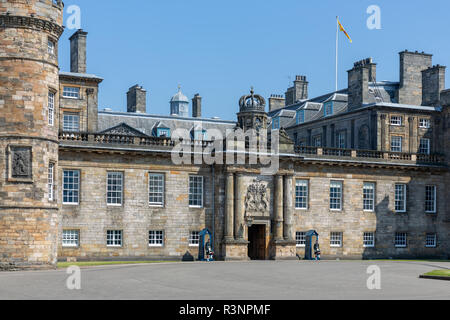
column 337, row 50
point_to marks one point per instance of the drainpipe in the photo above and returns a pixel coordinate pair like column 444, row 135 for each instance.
column 213, row 207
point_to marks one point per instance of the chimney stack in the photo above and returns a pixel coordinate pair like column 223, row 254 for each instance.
column 276, row 102
column 411, row 66
column 78, row 52
column 433, row 83
column 298, row 92
column 137, row 100
column 363, row 72
column 197, row 106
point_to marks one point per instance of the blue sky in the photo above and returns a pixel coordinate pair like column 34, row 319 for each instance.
column 221, row 48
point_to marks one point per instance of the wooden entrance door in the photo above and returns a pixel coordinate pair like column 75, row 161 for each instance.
column 257, row 245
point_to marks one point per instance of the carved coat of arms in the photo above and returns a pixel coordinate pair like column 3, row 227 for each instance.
column 256, row 199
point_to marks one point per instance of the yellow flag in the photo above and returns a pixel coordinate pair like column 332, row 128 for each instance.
column 341, row 28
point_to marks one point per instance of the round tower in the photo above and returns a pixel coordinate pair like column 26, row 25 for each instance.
column 29, row 104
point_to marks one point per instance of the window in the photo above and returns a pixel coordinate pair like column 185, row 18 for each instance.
column 194, row 239
column 430, row 199
column 369, row 239
column 70, row 238
column 431, row 240
column 336, row 240
column 369, row 196
column 400, row 197
column 71, row 92
column 156, row 238
column 424, row 123
column 196, row 191
column 328, row 109
column 396, row 144
column 156, row 189
column 425, row 146
column 396, row 121
column 300, row 116
column 300, row 238
column 301, row 194
column 51, row 108
column 317, row 141
column 336, row 195
column 114, row 238
column 401, row 240
column 163, row 132
column 71, row 186
column 276, row 124
column 71, row 122
column 114, row 190
column 341, row 140
column 51, row 47
column 200, row 135
column 51, row 180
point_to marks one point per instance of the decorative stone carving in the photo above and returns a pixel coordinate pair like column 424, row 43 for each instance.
column 256, row 199
column 124, row 130
column 21, row 167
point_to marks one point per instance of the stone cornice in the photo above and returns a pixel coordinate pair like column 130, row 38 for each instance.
column 7, row 21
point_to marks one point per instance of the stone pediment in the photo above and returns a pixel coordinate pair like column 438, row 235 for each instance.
column 124, row 130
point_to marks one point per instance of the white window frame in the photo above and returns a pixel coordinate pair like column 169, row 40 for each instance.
column 194, row 239
column 424, row 123
column 336, row 239
column 114, row 236
column 158, row 191
column 396, row 144
column 431, row 242
column 71, row 238
column 433, row 199
column 51, row 109
column 425, row 146
column 156, row 238
column 341, row 140
column 369, row 196
column 399, row 200
column 300, row 239
column 302, row 197
column 396, row 121
column 71, row 122
column 369, row 239
column 114, row 188
column 51, row 45
column 71, row 92
column 73, row 190
column 196, row 181
column 51, row 181
column 401, row 240
column 334, row 184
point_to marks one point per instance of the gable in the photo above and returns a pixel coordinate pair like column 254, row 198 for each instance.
column 124, row 130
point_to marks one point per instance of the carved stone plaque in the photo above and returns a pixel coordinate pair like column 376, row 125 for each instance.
column 21, row 166
column 256, row 200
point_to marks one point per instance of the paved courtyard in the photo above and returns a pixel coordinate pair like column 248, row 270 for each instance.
column 232, row 281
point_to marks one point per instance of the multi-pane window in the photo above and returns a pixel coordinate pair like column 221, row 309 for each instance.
column 425, row 146
column 195, row 191
column 51, row 108
column 51, row 181
column 114, row 192
column 301, row 194
column 71, row 122
column 336, row 195
column 300, row 238
column 369, row 239
column 431, row 240
column 276, row 123
column 430, row 199
column 70, row 238
column 156, row 238
column 114, row 238
column 396, row 121
column 71, row 186
column 71, row 92
column 194, row 238
column 369, row 196
column 51, row 47
column 396, row 144
column 300, row 116
column 317, row 141
column 336, row 239
column 401, row 240
column 341, row 141
column 425, row 123
column 156, row 189
column 328, row 109
column 400, row 197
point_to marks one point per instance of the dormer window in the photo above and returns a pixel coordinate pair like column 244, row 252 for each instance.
column 163, row 132
column 200, row 135
column 300, row 116
column 276, row 124
column 396, row 121
column 328, row 109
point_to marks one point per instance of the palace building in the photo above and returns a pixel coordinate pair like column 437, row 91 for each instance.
column 366, row 167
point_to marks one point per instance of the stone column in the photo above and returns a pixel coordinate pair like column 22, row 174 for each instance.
column 278, row 208
column 229, row 209
column 239, row 208
column 288, row 207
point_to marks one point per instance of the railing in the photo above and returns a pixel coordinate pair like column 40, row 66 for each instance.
column 336, row 152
